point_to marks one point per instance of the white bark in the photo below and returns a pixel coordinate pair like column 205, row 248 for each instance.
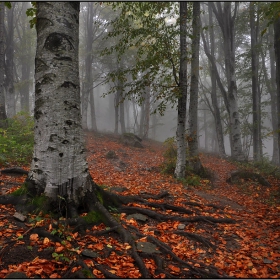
column 59, row 164
column 182, row 100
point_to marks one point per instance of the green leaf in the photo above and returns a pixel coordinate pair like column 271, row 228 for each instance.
column 8, row 5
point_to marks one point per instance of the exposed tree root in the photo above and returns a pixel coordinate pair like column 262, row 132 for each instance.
column 196, row 237
column 245, row 174
column 14, row 170
column 99, row 201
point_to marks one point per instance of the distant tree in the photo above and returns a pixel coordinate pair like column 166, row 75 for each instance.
column 226, row 20
column 210, row 50
column 10, row 88
column 277, row 59
column 180, row 169
column 3, row 114
column 254, row 26
column 194, row 160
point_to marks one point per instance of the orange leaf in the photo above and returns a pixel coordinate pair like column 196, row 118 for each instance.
column 254, row 270
column 98, row 246
column 59, row 249
column 34, row 237
column 46, row 241
column 174, row 268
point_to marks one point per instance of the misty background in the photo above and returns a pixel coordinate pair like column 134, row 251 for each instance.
column 116, row 105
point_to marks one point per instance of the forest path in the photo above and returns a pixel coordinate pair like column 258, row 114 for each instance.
column 251, row 248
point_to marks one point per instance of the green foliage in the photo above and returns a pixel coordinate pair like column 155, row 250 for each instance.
column 60, row 257
column 170, row 155
column 17, row 139
column 192, row 180
column 8, row 4
column 169, row 164
column 150, row 47
column 264, row 166
column 40, row 202
column 20, row 191
column 31, row 12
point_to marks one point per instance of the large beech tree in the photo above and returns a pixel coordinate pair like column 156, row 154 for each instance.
column 59, row 164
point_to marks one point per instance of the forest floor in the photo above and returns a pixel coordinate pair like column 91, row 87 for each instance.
column 248, row 248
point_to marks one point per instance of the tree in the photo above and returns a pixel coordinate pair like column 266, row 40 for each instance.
column 182, row 99
column 226, row 22
column 193, row 106
column 59, row 161
column 10, row 89
column 277, row 56
column 88, row 85
column 214, row 99
column 257, row 145
column 3, row 115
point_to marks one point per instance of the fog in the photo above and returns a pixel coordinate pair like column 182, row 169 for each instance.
column 114, row 72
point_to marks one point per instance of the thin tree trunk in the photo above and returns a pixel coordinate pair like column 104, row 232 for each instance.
column 194, row 160
column 226, row 22
column 147, row 112
column 257, row 149
column 277, row 59
column 273, row 95
column 122, row 118
column 10, row 90
column 180, row 169
column 117, row 101
column 3, row 115
column 214, row 99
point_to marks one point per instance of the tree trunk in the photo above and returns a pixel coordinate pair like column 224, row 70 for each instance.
column 226, row 22
column 277, row 59
column 142, row 119
column 147, row 112
column 122, row 119
column 10, row 90
column 257, row 147
column 206, row 142
column 214, row 99
column 180, row 169
column 273, row 96
column 25, row 61
column 3, row 115
column 117, row 101
column 194, row 160
column 59, row 164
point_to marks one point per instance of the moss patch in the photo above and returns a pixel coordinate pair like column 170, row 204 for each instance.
column 93, row 217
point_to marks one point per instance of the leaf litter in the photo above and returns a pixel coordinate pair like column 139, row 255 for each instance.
column 249, row 248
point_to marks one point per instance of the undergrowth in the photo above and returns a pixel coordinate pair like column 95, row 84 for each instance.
column 169, row 164
column 16, row 139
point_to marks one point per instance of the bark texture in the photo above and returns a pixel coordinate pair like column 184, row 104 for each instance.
column 59, row 164
column 214, row 99
column 3, row 115
column 182, row 100
column 257, row 145
column 277, row 58
column 193, row 107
